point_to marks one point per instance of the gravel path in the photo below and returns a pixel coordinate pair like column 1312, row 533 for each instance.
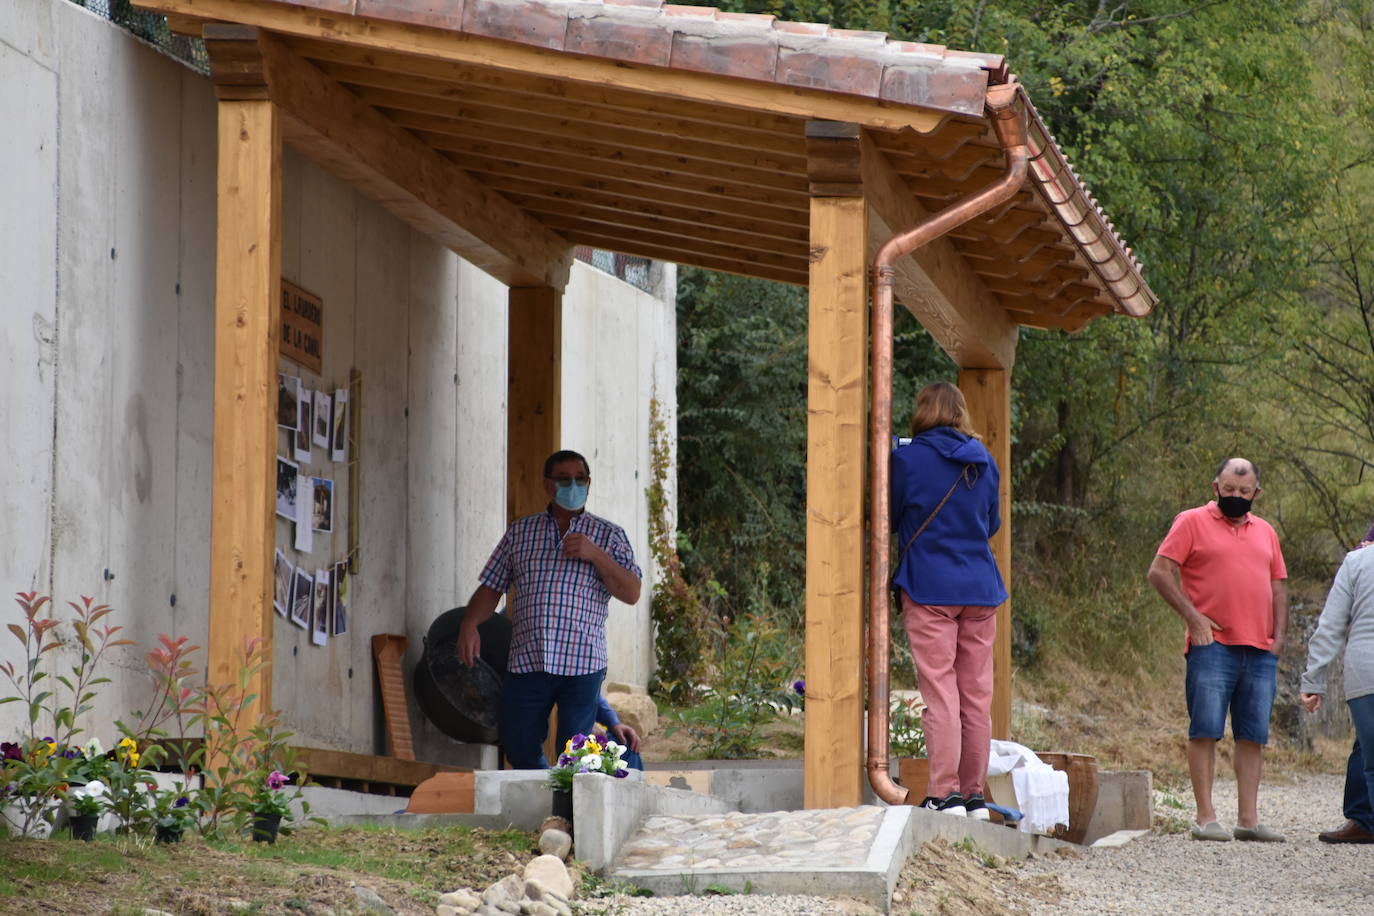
column 1172, row 873
column 1157, row 873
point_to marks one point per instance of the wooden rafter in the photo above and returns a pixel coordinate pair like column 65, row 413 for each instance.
column 354, row 141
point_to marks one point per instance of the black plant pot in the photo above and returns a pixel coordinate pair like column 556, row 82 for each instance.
column 166, row 835
column 83, row 826
column 562, row 804
column 265, row 828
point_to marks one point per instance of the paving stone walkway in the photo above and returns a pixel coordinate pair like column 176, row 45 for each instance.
column 837, row 837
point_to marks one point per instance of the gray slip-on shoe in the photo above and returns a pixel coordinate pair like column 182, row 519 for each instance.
column 1211, row 831
column 1259, row 834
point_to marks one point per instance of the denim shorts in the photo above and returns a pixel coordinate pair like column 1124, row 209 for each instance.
column 1241, row 678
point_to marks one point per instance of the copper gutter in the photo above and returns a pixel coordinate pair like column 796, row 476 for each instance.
column 1009, row 121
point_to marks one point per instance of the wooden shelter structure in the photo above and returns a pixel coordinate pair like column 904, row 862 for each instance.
column 514, row 130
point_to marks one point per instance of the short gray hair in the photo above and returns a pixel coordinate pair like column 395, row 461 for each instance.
column 1226, row 462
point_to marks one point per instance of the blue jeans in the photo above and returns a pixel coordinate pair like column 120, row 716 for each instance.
column 1359, row 769
column 1242, row 679
column 526, row 701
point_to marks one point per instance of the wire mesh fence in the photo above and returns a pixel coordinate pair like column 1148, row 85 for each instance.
column 152, row 28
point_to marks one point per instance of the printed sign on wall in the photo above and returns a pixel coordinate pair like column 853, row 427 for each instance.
column 302, row 326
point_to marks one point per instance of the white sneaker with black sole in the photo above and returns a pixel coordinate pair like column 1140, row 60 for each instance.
column 953, row 803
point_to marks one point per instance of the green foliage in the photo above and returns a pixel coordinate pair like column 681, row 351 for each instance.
column 906, row 731
column 682, row 625
column 242, row 757
column 751, row 687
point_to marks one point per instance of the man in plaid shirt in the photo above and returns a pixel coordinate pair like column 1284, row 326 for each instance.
column 564, row 565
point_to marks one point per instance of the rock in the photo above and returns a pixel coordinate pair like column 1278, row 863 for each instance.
column 511, row 906
column 537, row 908
column 509, row 889
column 636, row 710
column 555, row 843
column 556, row 823
column 444, row 909
column 462, row 900
column 550, row 872
column 370, row 899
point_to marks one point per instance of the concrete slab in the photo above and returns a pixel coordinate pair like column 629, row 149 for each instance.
column 867, row 847
column 606, row 812
column 1119, row 838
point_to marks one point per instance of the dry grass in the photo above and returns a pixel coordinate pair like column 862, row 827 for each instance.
column 312, row 871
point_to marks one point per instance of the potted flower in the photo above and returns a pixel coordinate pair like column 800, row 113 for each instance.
column 583, row 754
column 173, row 814
column 270, row 805
column 88, row 802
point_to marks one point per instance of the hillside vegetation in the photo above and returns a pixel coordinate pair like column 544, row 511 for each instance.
column 1229, row 143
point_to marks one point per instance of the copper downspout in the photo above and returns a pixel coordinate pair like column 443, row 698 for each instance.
column 1010, row 125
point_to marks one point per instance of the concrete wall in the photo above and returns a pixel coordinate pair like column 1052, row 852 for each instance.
column 107, row 174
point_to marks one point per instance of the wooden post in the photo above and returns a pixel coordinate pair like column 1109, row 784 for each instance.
column 836, row 447
column 533, row 394
column 247, row 323
column 533, row 408
column 988, row 393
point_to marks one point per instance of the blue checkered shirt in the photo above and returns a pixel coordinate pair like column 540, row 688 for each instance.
column 559, row 618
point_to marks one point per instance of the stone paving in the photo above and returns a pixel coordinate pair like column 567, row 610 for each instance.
column 836, row 838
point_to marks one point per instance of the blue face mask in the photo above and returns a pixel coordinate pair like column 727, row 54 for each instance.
column 571, row 496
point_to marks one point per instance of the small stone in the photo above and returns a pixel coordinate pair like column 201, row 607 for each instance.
column 462, row 900
column 553, row 822
column 370, row 899
column 444, row 909
column 538, row 908
column 552, row 873
column 510, row 906
column 555, row 843
column 510, row 888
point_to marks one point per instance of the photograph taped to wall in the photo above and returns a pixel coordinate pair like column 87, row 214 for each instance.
column 303, row 423
column 288, row 411
column 282, row 572
column 322, row 505
column 319, row 629
column 302, row 593
column 339, row 450
column 287, row 474
column 305, row 508
column 323, row 415
column 339, row 585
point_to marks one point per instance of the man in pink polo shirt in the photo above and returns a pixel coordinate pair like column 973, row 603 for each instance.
column 1220, row 568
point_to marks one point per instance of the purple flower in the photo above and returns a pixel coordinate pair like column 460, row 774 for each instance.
column 9, row 750
column 182, row 802
column 799, row 687
column 566, row 759
column 69, row 754
column 621, row 773
column 275, row 780
column 578, row 741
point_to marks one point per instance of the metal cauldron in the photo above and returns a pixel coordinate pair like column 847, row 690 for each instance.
column 463, row 701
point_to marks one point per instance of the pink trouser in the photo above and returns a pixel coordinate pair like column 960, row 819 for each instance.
column 952, row 646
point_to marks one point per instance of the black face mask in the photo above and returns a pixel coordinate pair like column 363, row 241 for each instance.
column 1234, row 506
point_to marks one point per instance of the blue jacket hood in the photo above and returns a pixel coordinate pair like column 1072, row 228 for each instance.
column 951, row 444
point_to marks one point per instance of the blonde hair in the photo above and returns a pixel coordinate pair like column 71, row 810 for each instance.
column 941, row 404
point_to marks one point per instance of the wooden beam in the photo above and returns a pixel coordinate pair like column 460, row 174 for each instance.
column 742, row 265
column 837, row 409
column 355, row 142
column 988, row 394
column 482, row 156
column 533, row 394
column 934, row 283
column 459, row 47
column 247, row 324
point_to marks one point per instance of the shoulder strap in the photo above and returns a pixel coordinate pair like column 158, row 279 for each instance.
column 968, row 474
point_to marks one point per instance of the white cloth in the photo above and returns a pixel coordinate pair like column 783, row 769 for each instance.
column 1042, row 792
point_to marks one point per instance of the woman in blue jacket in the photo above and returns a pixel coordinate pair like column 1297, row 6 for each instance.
column 945, row 505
